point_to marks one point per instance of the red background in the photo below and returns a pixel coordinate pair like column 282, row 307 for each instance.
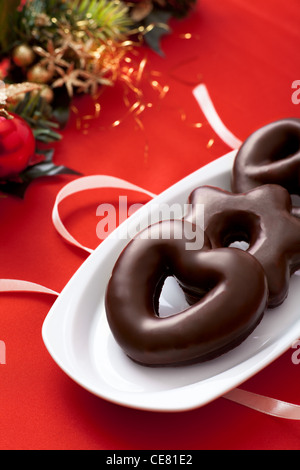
column 247, row 53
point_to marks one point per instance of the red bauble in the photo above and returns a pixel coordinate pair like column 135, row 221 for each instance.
column 17, row 146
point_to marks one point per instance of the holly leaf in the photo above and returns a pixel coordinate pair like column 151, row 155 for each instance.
column 43, row 168
column 14, row 188
column 46, row 135
column 157, row 22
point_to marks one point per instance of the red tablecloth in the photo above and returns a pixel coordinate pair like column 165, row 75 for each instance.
column 247, row 53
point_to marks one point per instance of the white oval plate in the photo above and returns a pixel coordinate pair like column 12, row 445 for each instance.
column 78, row 337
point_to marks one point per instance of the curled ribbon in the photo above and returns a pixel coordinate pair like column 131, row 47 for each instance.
column 206, row 105
column 266, row 405
column 15, row 285
column 82, row 184
column 260, row 403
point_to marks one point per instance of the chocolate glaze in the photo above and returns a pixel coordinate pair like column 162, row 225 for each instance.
column 271, row 155
column 262, row 217
column 229, row 285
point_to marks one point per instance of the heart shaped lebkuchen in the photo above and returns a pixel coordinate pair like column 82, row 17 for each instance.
column 229, row 286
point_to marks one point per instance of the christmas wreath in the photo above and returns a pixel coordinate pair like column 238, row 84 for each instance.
column 50, row 51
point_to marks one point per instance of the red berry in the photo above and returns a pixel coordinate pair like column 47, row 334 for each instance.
column 17, row 146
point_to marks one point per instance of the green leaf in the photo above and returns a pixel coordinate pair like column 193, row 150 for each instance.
column 159, row 19
column 46, row 135
column 44, row 168
column 14, row 188
column 47, row 154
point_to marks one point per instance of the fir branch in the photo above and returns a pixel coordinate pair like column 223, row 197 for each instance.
column 106, row 19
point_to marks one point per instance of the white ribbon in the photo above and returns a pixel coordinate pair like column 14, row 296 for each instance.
column 260, row 403
column 16, row 285
column 82, row 184
column 266, row 405
column 203, row 98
